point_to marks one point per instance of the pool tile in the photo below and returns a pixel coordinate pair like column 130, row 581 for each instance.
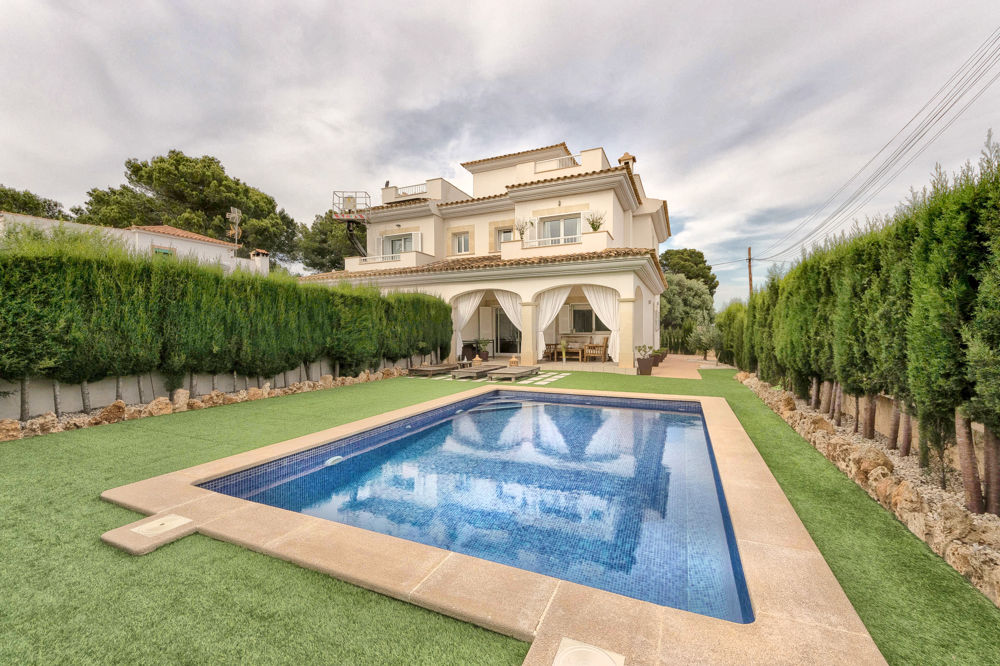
column 507, row 600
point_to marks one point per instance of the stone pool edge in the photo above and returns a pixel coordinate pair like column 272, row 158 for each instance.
column 801, row 612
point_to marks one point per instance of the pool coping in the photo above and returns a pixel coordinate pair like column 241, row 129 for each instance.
column 801, row 612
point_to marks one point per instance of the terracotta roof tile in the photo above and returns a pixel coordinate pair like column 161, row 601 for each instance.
column 523, row 152
column 400, row 204
column 487, row 261
column 167, row 230
column 623, row 167
column 465, row 201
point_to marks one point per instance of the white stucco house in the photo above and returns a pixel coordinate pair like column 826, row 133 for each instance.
column 162, row 240
column 518, row 259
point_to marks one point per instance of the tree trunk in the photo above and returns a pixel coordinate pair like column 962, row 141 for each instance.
column 300, row 373
column 838, row 409
column 85, row 395
column 814, row 402
column 246, row 383
column 308, row 371
column 284, row 377
column 56, row 398
column 215, row 382
column 193, row 385
column 258, row 381
column 831, row 400
column 870, row 404
column 118, row 387
column 967, row 461
column 336, row 369
column 894, row 426
column 152, row 386
column 142, row 393
column 991, row 465
column 857, row 412
column 25, row 398
column 905, row 434
column 235, row 379
column 825, row 397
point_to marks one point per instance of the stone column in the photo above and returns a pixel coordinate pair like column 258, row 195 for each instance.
column 626, row 335
column 456, row 337
column 529, row 333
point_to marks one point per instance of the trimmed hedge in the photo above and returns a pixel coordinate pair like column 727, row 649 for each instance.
column 74, row 309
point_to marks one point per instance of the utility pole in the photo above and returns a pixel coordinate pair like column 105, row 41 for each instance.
column 749, row 271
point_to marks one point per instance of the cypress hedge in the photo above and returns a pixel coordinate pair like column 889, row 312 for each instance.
column 76, row 309
column 908, row 307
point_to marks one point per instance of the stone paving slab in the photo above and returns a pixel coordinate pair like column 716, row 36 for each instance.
column 801, row 613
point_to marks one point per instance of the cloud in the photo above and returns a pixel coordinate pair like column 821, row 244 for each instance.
column 745, row 116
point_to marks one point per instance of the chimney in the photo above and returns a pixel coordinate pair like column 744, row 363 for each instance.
column 261, row 261
column 628, row 160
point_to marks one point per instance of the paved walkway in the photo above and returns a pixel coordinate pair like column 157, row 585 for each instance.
column 685, row 366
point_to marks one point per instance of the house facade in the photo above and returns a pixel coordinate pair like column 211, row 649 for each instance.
column 157, row 240
column 549, row 246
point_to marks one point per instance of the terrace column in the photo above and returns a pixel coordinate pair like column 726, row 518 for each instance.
column 529, row 318
column 626, row 334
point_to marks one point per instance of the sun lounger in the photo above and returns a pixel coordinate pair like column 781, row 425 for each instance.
column 513, row 372
column 475, row 371
column 431, row 370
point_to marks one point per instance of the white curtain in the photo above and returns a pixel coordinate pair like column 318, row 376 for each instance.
column 511, row 304
column 462, row 309
column 549, row 303
column 604, row 300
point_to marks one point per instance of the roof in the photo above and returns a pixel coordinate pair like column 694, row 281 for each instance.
column 400, row 204
column 492, row 261
column 473, row 200
column 523, row 152
column 626, row 168
column 168, row 230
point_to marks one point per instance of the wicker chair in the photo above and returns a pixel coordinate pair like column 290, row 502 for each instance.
column 551, row 350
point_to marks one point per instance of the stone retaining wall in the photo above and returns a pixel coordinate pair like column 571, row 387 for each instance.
column 970, row 543
column 11, row 429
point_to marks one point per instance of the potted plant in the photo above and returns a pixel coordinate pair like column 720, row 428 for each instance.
column 562, row 348
column 595, row 220
column 659, row 355
column 644, row 359
column 483, row 345
column 522, row 224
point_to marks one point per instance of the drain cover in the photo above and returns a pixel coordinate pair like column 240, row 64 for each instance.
column 575, row 653
column 159, row 526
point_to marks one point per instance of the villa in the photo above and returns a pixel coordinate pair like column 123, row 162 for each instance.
column 550, row 246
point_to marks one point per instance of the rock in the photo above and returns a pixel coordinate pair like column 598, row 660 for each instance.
column 884, row 489
column 878, row 474
column 255, row 393
column 787, row 405
column 820, row 423
column 326, row 381
column 742, row 376
column 80, row 421
column 43, row 425
column 864, row 460
column 10, row 429
column 195, row 404
column 232, row 398
column 133, row 413
column 113, row 413
column 159, row 407
column 212, row 399
column 954, row 522
column 181, row 397
column 905, row 500
column 960, row 556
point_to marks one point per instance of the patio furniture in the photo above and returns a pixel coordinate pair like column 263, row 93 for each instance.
column 596, row 352
column 475, row 371
column 431, row 370
column 551, row 352
column 463, row 363
column 513, row 372
column 574, row 353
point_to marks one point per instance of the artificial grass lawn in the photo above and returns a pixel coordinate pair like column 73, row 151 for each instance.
column 68, row 597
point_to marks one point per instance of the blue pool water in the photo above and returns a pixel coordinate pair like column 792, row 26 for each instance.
column 613, row 493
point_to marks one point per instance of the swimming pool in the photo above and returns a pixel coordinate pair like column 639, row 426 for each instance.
column 614, row 493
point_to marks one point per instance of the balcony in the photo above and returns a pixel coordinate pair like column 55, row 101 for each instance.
column 557, row 240
column 411, row 190
column 588, row 241
column 557, row 163
column 378, row 262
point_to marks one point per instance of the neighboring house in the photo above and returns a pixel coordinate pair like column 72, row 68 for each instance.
column 559, row 279
column 158, row 240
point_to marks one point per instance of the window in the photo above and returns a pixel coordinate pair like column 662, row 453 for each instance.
column 397, row 244
column 585, row 321
column 461, row 243
column 556, row 230
column 504, row 235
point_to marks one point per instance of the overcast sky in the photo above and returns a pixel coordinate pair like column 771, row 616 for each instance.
column 743, row 115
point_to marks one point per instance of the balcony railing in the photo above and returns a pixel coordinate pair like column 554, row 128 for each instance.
column 410, row 190
column 378, row 258
column 555, row 240
column 557, row 163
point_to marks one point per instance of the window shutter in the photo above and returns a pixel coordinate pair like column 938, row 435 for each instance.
column 417, row 242
column 382, row 245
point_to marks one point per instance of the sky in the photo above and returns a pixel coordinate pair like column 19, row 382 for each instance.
column 744, row 116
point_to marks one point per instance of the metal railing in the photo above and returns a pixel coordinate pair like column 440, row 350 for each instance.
column 411, row 189
column 556, row 240
column 379, row 258
column 557, row 163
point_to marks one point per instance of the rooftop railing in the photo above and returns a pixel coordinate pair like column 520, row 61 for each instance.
column 378, row 258
column 557, row 163
column 410, row 190
column 556, row 240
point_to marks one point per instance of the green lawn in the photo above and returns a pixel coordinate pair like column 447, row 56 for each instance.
column 68, row 597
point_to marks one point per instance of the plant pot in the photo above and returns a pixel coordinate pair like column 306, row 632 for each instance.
column 657, row 358
column 485, row 355
column 645, row 365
